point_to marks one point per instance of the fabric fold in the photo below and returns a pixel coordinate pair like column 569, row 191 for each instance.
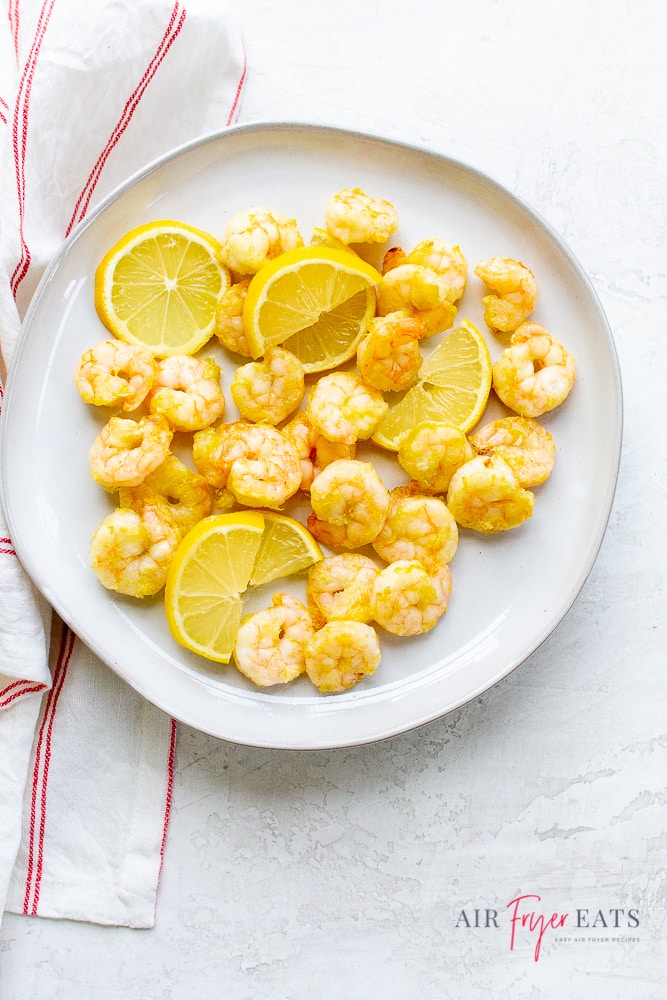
column 88, row 96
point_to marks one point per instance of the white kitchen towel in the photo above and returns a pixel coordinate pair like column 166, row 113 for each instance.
column 89, row 93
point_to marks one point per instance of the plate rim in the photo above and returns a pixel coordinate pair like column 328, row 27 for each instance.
column 287, row 127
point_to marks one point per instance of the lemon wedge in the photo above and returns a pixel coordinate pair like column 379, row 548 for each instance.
column 286, row 548
column 452, row 388
column 208, row 574
column 301, row 289
column 217, row 561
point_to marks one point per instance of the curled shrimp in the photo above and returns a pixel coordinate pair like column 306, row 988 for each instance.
column 340, row 654
column 229, row 319
column 418, row 528
column 126, row 451
column 258, row 464
column 114, row 373
column 535, row 373
column 431, row 452
column 527, row 447
column 255, row 236
column 416, row 290
column 269, row 390
column 485, row 495
column 513, row 292
column 408, row 600
column 186, row 493
column 339, row 588
column 342, row 408
column 388, row 357
column 442, row 258
column 270, row 644
column 352, row 216
column 315, row 451
column 132, row 550
column 187, row 392
column 349, row 504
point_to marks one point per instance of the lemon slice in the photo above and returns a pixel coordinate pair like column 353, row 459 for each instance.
column 159, row 287
column 296, row 290
column 214, row 565
column 334, row 338
column 286, row 548
column 452, row 388
column 323, row 238
column 208, row 574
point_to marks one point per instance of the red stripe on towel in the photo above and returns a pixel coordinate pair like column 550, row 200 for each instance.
column 239, row 90
column 170, row 787
column 13, row 17
column 41, row 776
column 33, row 689
column 20, row 135
column 6, row 547
column 171, row 33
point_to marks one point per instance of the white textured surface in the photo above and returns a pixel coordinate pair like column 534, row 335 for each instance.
column 288, row 874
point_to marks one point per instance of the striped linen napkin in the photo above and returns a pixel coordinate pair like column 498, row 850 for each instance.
column 89, row 93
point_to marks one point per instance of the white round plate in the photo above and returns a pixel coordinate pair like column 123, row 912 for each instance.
column 510, row 590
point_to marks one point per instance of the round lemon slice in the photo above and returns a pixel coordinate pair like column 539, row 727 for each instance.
column 452, row 388
column 298, row 291
column 159, row 287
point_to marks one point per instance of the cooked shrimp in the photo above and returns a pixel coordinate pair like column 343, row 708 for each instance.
column 213, row 451
column 269, row 390
column 257, row 463
column 340, row 654
column 485, row 495
column 407, row 600
column 352, row 216
column 527, row 447
column 113, row 373
column 126, row 451
column 394, row 257
column 535, row 373
column 431, row 452
column 342, row 408
column 229, row 319
column 315, row 451
column 388, row 357
column 339, row 588
column 418, row 527
column 418, row 291
column 255, row 236
column 187, row 392
column 513, row 292
column 223, row 500
column 186, row 493
column 349, row 504
column 131, row 550
column 270, row 644
column 448, row 263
